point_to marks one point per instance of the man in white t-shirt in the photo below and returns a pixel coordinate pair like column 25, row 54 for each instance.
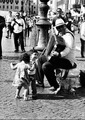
column 59, row 54
column 19, row 29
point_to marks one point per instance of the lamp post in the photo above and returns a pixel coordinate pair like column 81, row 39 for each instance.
column 43, row 25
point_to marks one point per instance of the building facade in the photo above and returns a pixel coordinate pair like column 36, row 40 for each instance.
column 17, row 5
column 65, row 5
column 10, row 5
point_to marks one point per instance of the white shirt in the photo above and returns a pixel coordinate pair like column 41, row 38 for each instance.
column 69, row 51
column 9, row 19
column 18, row 28
column 21, row 73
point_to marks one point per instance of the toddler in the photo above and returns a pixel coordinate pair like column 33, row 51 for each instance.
column 32, row 73
column 22, row 77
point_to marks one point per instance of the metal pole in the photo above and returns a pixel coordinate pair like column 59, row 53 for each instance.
column 43, row 25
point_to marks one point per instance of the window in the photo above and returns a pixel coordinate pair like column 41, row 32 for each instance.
column 3, row 1
column 51, row 2
column 7, row 1
column 11, row 1
column 0, row 1
column 7, row 7
column 16, row 1
column 11, row 7
column 3, row 6
column 16, row 7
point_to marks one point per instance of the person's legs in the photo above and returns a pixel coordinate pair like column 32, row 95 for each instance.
column 0, row 44
column 48, row 69
column 18, row 91
column 7, row 36
column 39, row 71
column 28, row 31
column 59, row 62
column 21, row 41
column 26, row 90
column 9, row 30
column 16, row 36
column 82, row 47
column 33, row 86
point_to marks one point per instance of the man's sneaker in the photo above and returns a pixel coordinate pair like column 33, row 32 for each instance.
column 57, row 90
column 39, row 84
column 34, row 97
column 52, row 88
column 23, row 51
column 0, row 57
column 16, row 51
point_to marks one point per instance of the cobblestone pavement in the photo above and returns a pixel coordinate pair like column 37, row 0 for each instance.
column 47, row 106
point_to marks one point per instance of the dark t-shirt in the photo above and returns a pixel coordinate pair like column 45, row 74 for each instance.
column 2, row 23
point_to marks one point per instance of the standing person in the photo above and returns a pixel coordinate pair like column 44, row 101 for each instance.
column 19, row 29
column 2, row 25
column 21, row 78
column 27, row 26
column 24, row 32
column 34, row 35
column 68, row 21
column 64, row 59
column 9, row 19
column 32, row 73
column 24, row 75
column 82, row 36
column 58, row 15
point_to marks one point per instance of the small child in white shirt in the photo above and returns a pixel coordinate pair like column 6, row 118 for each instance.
column 22, row 77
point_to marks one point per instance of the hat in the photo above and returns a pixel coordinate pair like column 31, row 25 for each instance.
column 17, row 13
column 59, row 22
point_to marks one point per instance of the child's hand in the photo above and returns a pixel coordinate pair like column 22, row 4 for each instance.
column 11, row 65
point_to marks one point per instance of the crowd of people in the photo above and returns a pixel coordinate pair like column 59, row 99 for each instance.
column 58, row 54
column 20, row 26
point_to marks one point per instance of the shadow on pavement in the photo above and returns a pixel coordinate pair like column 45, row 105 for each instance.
column 80, row 92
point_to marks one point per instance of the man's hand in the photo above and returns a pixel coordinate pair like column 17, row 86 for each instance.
column 54, row 53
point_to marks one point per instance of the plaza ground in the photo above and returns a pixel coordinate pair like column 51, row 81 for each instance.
column 47, row 106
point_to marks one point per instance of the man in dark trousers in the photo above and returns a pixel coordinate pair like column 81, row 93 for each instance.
column 2, row 25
